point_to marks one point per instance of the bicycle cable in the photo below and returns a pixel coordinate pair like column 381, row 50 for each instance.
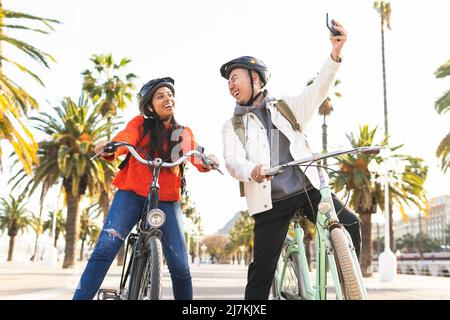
column 335, row 171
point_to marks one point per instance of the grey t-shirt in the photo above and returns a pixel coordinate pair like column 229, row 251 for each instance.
column 291, row 181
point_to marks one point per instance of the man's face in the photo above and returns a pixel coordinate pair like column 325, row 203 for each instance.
column 239, row 85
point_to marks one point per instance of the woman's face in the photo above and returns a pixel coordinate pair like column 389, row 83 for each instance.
column 163, row 102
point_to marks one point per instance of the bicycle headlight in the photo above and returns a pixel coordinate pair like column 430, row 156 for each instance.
column 324, row 207
column 156, row 218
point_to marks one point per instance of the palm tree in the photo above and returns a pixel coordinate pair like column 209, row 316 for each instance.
column 367, row 193
column 88, row 227
column 105, row 86
column 188, row 208
column 325, row 110
column 60, row 224
column 442, row 105
column 14, row 100
column 407, row 190
column 14, row 218
column 107, row 89
column 242, row 233
column 216, row 247
column 406, row 243
column 384, row 9
column 65, row 158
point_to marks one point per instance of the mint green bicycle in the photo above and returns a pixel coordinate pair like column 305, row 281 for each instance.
column 334, row 248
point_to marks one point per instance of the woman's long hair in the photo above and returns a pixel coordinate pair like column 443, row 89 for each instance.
column 162, row 139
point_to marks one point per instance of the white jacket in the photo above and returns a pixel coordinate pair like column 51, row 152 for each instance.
column 258, row 195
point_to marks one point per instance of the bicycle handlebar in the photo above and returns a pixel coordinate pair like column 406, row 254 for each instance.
column 112, row 147
column 366, row 150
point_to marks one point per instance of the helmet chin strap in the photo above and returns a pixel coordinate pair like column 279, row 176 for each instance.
column 253, row 97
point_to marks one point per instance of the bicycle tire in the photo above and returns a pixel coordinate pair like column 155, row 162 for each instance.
column 145, row 281
column 351, row 288
column 291, row 287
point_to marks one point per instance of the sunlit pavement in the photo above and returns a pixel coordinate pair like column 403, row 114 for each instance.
column 37, row 281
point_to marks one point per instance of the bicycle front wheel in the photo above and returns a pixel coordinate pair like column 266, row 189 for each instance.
column 351, row 288
column 145, row 281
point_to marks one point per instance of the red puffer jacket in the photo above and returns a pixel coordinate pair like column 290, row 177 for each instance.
column 137, row 177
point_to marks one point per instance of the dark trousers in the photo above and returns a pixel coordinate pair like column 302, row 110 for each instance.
column 270, row 231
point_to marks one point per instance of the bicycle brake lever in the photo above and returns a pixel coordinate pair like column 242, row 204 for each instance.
column 95, row 156
column 217, row 169
column 211, row 163
column 370, row 150
column 110, row 147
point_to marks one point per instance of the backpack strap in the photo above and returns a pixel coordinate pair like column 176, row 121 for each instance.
column 238, row 126
column 284, row 109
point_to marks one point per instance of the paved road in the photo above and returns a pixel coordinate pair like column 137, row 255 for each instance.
column 37, row 281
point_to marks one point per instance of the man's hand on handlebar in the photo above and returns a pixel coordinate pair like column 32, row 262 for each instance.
column 258, row 174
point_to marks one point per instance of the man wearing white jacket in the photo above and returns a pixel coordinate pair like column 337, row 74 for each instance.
column 260, row 136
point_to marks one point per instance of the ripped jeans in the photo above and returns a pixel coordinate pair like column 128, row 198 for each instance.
column 125, row 212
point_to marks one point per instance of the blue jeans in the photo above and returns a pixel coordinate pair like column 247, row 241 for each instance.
column 125, row 212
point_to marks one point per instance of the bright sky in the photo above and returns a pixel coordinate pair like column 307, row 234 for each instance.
column 190, row 40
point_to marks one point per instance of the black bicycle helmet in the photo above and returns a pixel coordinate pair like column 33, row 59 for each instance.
column 250, row 64
column 146, row 93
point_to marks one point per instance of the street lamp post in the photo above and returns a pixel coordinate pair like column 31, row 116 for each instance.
column 387, row 260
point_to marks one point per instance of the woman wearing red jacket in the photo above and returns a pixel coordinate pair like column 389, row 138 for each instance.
column 156, row 132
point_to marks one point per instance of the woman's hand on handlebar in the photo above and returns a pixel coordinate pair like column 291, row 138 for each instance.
column 99, row 148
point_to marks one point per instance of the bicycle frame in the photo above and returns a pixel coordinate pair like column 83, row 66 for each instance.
column 324, row 255
column 325, row 221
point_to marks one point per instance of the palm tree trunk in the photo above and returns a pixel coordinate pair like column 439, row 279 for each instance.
column 12, row 242
column 366, row 253
column 33, row 257
column 386, row 131
column 72, row 229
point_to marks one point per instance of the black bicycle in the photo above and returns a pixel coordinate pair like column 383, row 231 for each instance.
column 144, row 266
